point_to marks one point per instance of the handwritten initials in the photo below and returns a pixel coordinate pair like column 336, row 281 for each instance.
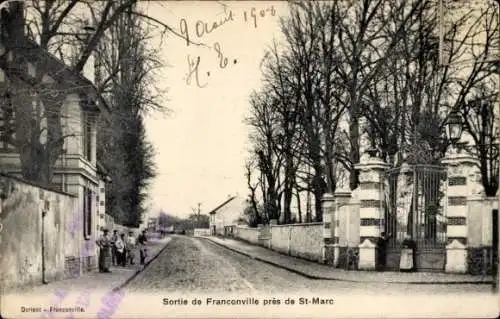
column 194, row 70
column 202, row 28
column 222, row 58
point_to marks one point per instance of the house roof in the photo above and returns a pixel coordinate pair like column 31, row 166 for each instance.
column 62, row 73
column 213, row 211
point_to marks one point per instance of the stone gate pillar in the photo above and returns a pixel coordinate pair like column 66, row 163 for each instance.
column 340, row 231
column 328, row 205
column 464, row 180
column 371, row 178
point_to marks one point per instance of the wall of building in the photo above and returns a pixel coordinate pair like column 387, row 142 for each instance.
column 21, row 235
column 101, row 206
column 228, row 215
column 109, row 222
column 87, row 260
column 219, row 224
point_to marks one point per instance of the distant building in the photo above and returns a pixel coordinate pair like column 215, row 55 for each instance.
column 225, row 217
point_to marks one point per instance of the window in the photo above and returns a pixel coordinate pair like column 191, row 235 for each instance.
column 87, row 136
column 87, row 212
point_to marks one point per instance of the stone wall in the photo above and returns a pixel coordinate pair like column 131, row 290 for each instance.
column 248, row 234
column 201, row 232
column 348, row 234
column 348, row 227
column 299, row 240
column 306, row 241
column 479, row 240
column 21, row 234
column 480, row 220
column 280, row 238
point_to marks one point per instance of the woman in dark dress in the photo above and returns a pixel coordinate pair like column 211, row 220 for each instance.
column 141, row 240
column 104, row 244
column 382, row 251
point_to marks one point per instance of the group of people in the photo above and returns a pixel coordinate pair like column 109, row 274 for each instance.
column 120, row 251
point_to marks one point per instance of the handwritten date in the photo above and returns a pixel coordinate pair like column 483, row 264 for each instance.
column 202, row 28
column 254, row 14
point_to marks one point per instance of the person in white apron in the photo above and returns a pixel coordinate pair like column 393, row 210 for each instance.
column 130, row 247
column 120, row 250
column 407, row 261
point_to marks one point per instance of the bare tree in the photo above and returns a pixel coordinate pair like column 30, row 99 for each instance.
column 56, row 27
column 279, row 78
column 407, row 107
column 250, row 166
column 263, row 121
column 364, row 52
column 126, row 68
column 479, row 122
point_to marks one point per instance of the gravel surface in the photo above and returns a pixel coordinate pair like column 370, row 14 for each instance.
column 195, row 265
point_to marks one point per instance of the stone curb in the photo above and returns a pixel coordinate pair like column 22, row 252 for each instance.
column 138, row 271
column 307, row 275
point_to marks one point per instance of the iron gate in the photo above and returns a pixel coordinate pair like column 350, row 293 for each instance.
column 415, row 207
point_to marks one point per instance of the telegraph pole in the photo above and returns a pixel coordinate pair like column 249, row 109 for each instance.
column 197, row 213
column 198, row 216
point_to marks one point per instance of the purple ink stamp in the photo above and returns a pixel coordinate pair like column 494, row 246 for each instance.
column 56, row 300
column 82, row 301
column 110, row 303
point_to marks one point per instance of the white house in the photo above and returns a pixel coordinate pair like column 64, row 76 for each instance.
column 225, row 217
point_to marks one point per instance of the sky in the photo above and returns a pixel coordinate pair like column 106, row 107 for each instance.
column 202, row 143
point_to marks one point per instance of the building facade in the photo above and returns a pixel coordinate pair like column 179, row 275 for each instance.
column 225, row 217
column 48, row 116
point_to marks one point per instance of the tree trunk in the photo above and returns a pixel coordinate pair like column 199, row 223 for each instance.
column 288, row 187
column 354, row 150
column 299, row 208
column 319, row 187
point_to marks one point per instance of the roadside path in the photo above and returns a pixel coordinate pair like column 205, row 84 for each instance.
column 315, row 270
